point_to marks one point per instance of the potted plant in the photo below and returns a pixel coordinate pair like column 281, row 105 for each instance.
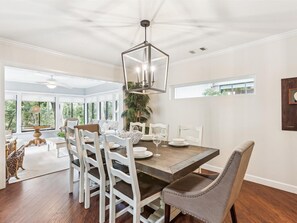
column 137, row 109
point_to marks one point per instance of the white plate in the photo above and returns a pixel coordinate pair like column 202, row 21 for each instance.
column 147, row 138
column 178, row 144
column 115, row 146
column 147, row 154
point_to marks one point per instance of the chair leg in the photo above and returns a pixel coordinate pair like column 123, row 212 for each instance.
column 167, row 213
column 233, row 214
column 102, row 202
column 87, row 192
column 112, row 206
column 81, row 187
column 136, row 213
column 71, row 179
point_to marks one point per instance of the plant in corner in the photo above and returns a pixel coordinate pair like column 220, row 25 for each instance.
column 137, row 109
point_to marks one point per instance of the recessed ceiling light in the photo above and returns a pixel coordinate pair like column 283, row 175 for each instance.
column 203, row 49
column 192, row 51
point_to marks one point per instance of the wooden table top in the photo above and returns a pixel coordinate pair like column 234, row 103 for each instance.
column 174, row 162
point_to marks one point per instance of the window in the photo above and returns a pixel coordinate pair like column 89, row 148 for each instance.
column 41, row 113
column 10, row 112
column 72, row 107
column 73, row 110
column 106, row 107
column 106, row 110
column 215, row 88
column 91, row 111
column 116, row 110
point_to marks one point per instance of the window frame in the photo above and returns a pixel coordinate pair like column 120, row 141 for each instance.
column 250, row 79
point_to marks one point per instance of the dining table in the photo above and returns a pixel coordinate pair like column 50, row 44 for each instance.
column 174, row 162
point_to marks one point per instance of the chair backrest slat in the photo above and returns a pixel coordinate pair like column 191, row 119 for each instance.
column 192, row 134
column 119, row 158
column 74, row 151
column 138, row 124
column 163, row 130
column 91, row 149
column 121, row 175
column 131, row 176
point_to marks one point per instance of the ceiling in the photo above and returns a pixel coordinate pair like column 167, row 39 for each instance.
column 101, row 30
column 33, row 77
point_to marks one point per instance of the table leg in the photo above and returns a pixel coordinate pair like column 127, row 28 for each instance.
column 158, row 215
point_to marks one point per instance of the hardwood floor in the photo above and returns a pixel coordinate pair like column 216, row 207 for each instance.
column 46, row 199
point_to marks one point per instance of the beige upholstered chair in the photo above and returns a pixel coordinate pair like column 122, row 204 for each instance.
column 136, row 189
column 210, row 200
column 162, row 129
column 139, row 125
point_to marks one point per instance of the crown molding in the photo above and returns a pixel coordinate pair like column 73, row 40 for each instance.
column 53, row 52
column 280, row 36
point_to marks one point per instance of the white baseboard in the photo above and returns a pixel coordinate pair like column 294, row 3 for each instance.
column 259, row 180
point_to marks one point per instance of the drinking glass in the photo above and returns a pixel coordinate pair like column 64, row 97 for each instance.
column 157, row 141
column 163, row 135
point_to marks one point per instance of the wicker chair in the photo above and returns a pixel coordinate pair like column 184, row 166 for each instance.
column 14, row 161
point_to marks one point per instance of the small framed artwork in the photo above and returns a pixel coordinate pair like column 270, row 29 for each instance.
column 293, row 96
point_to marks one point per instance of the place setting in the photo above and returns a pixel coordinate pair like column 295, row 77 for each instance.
column 178, row 142
column 141, row 153
column 112, row 145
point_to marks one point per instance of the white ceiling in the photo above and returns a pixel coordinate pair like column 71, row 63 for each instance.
column 101, row 30
column 33, row 77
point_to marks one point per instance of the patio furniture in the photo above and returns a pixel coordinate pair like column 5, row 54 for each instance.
column 14, row 161
column 57, row 143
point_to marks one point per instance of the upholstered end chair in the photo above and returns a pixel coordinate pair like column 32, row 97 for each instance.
column 206, row 199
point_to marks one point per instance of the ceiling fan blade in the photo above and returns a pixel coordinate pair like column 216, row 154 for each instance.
column 63, row 85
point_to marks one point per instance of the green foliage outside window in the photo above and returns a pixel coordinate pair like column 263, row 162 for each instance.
column 10, row 115
column 73, row 110
column 46, row 116
column 91, row 111
column 211, row 92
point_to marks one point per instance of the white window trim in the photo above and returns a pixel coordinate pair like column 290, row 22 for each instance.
column 173, row 87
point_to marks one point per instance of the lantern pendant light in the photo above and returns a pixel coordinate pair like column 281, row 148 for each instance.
column 145, row 67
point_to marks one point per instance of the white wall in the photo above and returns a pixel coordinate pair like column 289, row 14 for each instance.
column 230, row 120
column 25, row 56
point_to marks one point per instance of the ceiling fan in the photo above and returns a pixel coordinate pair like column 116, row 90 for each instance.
column 53, row 83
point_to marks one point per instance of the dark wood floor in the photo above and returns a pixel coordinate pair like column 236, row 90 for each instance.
column 46, row 199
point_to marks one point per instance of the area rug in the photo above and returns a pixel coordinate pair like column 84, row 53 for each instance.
column 39, row 161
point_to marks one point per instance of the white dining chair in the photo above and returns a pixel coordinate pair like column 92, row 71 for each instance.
column 94, row 169
column 163, row 130
column 193, row 135
column 75, row 161
column 139, row 125
column 136, row 189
